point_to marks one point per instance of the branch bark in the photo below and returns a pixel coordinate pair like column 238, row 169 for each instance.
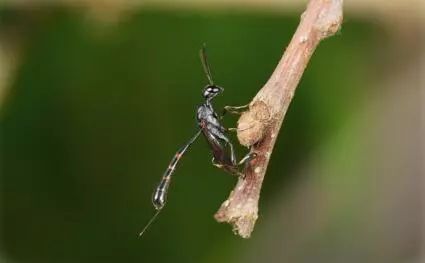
column 259, row 126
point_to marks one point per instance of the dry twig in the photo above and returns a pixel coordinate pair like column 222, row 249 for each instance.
column 259, row 126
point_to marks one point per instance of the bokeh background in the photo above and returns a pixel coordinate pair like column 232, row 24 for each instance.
column 96, row 97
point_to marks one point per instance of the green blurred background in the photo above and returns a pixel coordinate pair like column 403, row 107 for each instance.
column 95, row 103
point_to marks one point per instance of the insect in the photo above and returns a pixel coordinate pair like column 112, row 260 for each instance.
column 215, row 134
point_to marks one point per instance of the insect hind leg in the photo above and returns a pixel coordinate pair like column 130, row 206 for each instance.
column 216, row 164
column 232, row 150
column 247, row 158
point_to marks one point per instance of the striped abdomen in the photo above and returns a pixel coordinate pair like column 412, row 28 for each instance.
column 160, row 195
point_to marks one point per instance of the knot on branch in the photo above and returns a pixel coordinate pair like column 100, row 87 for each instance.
column 253, row 123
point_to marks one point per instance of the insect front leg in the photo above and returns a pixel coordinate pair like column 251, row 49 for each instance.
column 234, row 109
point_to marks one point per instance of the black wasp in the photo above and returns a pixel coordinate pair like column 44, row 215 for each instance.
column 215, row 134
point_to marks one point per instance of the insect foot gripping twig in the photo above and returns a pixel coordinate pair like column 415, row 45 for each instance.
column 259, row 126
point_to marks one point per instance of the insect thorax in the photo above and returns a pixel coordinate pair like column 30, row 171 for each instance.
column 206, row 114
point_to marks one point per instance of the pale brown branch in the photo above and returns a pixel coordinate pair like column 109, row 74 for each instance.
column 259, row 126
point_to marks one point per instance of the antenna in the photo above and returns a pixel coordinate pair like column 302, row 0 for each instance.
column 205, row 65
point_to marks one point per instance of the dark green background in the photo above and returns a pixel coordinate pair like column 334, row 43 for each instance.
column 95, row 113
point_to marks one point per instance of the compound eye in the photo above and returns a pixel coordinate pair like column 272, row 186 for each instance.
column 207, row 93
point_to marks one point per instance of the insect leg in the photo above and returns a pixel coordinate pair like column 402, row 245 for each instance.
column 215, row 163
column 247, row 158
column 239, row 130
column 234, row 109
column 232, row 151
